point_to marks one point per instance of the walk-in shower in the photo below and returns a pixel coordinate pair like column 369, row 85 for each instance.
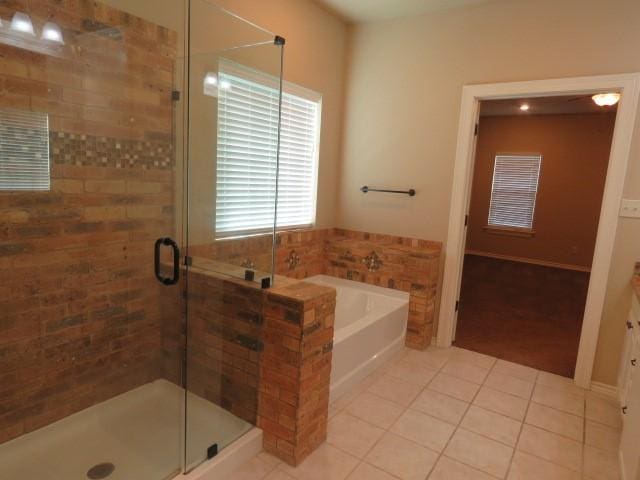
column 122, row 353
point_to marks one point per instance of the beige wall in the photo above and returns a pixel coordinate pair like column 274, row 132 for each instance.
column 575, row 154
column 315, row 57
column 402, row 107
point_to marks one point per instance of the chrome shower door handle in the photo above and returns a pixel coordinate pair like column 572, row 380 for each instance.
column 176, row 261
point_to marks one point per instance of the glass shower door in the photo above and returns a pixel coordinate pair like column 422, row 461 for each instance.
column 90, row 384
column 234, row 73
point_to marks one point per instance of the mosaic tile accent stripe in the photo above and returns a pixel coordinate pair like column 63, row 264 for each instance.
column 92, row 151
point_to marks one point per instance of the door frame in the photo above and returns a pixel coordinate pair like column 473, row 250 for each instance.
column 628, row 85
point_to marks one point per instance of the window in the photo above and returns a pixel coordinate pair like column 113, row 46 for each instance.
column 247, row 147
column 24, row 150
column 514, row 189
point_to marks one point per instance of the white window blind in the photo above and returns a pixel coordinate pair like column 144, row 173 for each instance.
column 514, row 190
column 24, row 150
column 247, row 152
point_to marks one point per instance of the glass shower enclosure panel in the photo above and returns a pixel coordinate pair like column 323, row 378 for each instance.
column 233, row 123
column 90, row 384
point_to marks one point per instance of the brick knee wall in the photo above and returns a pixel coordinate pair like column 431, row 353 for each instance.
column 295, row 369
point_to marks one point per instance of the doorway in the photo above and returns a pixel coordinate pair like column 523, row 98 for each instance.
column 536, row 194
column 627, row 86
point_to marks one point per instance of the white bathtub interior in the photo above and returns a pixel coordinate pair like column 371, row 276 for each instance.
column 370, row 327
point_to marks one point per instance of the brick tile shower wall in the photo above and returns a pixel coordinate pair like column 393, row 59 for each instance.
column 80, row 319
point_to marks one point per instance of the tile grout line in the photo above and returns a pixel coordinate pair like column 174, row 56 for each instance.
column 522, row 424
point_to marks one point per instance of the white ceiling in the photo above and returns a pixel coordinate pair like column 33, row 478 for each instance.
column 372, row 10
column 543, row 106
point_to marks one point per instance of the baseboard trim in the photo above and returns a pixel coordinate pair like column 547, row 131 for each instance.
column 532, row 261
column 605, row 389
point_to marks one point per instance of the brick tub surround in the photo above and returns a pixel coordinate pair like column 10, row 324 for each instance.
column 80, row 320
column 408, row 264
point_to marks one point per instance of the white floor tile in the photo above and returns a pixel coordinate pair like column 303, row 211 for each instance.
column 411, row 372
column 555, row 421
column 448, row 469
column 522, row 372
column 364, row 471
column 432, row 357
column 278, row 474
column 492, row 425
column 508, row 384
column 375, row 410
column 402, row 458
column 353, row 435
column 603, row 410
column 270, row 459
column 454, row 387
column 600, row 465
column 326, row 463
column 480, row 452
column 254, row 469
column 440, row 406
column 602, row 436
column 423, row 429
column 561, row 383
column 558, row 399
column 549, row 446
column 528, row 467
column 503, row 403
column 398, row 391
column 466, row 371
column 479, row 359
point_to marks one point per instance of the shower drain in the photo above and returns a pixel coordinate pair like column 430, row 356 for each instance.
column 101, row 470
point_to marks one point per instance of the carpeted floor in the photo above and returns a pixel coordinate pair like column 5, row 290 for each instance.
column 523, row 313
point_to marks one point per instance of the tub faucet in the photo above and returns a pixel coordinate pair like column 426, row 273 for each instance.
column 293, row 260
column 372, row 261
column 248, row 263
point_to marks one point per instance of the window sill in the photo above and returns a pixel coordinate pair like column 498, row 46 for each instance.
column 510, row 231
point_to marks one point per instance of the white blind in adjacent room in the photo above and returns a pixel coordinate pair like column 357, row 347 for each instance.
column 514, row 190
column 247, row 152
column 24, row 150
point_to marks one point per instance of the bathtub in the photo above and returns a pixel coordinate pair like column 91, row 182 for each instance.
column 370, row 327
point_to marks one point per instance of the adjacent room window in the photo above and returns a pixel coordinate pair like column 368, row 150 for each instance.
column 24, row 150
column 247, row 148
column 514, row 190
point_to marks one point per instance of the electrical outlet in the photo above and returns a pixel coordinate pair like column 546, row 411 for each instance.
column 630, row 208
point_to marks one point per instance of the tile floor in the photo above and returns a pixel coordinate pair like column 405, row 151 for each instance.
column 453, row 414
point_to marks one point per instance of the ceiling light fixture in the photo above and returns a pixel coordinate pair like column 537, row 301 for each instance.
column 52, row 32
column 21, row 22
column 606, row 99
column 524, row 107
